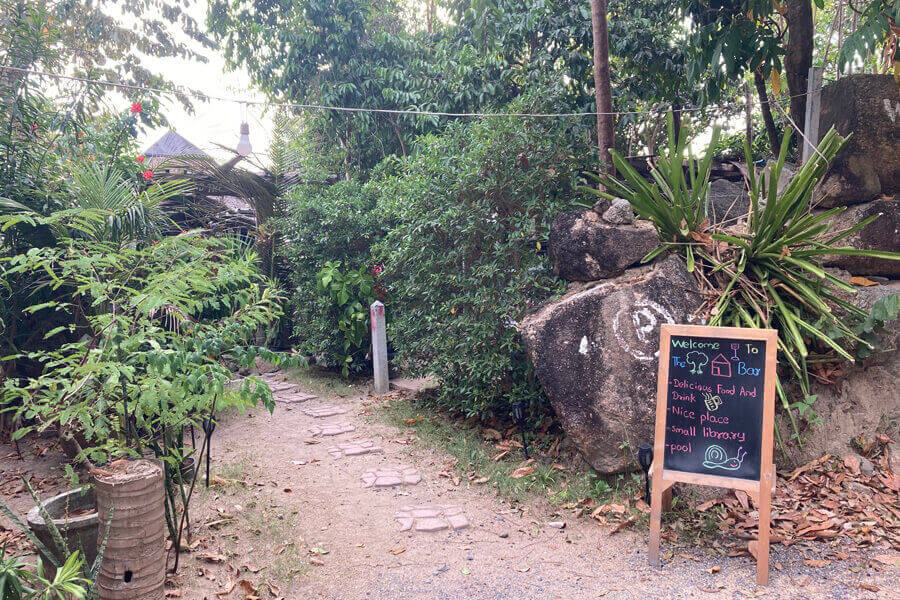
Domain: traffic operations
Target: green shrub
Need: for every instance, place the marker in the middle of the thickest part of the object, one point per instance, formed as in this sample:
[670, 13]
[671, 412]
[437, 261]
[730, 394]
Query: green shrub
[326, 224]
[350, 292]
[467, 257]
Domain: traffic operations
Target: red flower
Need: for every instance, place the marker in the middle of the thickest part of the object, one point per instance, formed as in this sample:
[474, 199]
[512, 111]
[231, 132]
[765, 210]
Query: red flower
[148, 174]
[136, 107]
[34, 128]
[140, 158]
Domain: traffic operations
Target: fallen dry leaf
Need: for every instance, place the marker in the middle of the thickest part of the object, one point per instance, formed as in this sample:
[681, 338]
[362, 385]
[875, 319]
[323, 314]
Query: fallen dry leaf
[397, 550]
[862, 281]
[521, 472]
[707, 505]
[227, 590]
[713, 570]
[176, 593]
[626, 523]
[211, 557]
[816, 562]
[249, 590]
[892, 560]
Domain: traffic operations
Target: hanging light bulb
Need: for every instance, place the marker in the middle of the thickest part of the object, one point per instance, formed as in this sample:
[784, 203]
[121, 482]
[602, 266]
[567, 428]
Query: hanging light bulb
[243, 147]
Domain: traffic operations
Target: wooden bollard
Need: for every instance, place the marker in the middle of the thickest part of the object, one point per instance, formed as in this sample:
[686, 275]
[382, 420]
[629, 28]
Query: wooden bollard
[134, 563]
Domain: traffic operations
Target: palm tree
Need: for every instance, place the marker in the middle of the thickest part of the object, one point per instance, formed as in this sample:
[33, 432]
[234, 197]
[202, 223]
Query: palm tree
[131, 212]
[105, 205]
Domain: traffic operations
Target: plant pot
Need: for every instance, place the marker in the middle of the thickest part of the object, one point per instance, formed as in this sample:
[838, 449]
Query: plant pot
[187, 469]
[131, 498]
[79, 532]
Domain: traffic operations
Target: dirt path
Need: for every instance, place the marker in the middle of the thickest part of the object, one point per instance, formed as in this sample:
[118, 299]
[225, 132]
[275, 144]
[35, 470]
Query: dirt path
[286, 514]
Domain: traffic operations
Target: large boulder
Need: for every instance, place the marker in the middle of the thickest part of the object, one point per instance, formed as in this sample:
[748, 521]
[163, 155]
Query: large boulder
[867, 106]
[881, 234]
[864, 400]
[727, 201]
[595, 352]
[585, 248]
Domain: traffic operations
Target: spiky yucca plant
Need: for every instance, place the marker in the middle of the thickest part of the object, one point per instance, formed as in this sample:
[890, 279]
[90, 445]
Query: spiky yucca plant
[765, 270]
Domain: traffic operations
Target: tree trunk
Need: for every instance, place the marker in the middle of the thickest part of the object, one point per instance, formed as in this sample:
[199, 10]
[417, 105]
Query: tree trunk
[130, 498]
[602, 87]
[760, 82]
[798, 55]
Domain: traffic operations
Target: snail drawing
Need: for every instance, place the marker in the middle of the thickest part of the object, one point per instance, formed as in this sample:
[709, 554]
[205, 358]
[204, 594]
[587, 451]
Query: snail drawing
[712, 402]
[717, 458]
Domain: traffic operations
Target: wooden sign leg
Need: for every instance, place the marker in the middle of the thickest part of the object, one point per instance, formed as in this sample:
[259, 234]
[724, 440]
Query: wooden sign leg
[765, 513]
[656, 502]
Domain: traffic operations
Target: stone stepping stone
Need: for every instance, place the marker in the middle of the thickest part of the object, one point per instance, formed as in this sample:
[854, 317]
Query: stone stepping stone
[282, 386]
[335, 429]
[431, 518]
[326, 410]
[294, 398]
[391, 476]
[355, 448]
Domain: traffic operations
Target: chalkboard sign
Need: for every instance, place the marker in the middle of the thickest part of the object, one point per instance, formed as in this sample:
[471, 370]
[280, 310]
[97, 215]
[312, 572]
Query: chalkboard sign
[715, 417]
[714, 406]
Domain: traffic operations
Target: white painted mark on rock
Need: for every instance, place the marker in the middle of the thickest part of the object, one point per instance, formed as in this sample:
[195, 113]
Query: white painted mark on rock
[892, 109]
[638, 332]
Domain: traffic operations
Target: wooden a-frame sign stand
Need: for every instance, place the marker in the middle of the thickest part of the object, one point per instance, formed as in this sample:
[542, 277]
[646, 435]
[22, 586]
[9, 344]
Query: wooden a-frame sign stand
[761, 491]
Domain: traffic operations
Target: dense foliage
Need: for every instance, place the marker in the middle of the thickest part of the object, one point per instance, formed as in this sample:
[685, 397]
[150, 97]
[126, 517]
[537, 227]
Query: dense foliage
[96, 39]
[150, 332]
[328, 232]
[467, 256]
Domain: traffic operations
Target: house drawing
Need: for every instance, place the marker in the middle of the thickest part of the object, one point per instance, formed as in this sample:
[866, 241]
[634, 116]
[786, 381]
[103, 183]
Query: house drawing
[721, 367]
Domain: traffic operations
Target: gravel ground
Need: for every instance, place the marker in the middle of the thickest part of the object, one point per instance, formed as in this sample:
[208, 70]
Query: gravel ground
[285, 514]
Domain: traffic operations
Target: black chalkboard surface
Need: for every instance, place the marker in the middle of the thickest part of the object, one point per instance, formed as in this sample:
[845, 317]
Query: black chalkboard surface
[714, 406]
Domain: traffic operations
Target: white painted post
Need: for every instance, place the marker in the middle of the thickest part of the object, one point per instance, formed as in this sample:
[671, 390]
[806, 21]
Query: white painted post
[813, 109]
[379, 348]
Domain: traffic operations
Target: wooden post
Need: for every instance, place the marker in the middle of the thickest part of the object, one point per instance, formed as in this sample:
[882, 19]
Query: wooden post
[656, 508]
[813, 108]
[379, 348]
[765, 513]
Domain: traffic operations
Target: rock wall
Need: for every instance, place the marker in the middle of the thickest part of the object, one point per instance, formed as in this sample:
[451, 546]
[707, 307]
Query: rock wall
[595, 349]
[868, 107]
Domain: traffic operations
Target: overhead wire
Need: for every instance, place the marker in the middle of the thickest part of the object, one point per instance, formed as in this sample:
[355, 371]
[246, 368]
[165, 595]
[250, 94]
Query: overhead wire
[298, 105]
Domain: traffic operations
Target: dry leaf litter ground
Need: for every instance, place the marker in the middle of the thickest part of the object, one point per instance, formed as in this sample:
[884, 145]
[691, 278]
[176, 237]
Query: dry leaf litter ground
[363, 513]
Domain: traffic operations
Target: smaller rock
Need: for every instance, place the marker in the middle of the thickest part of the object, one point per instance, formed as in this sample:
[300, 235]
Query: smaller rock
[264, 366]
[619, 213]
[503, 535]
[557, 524]
[601, 205]
[863, 490]
[584, 247]
[866, 467]
[727, 201]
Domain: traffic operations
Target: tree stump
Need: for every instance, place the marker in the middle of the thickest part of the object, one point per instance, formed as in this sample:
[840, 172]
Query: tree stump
[134, 564]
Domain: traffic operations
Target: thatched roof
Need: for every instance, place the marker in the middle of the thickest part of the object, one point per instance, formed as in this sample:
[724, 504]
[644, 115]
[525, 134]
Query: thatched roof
[171, 145]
